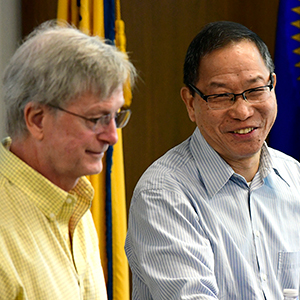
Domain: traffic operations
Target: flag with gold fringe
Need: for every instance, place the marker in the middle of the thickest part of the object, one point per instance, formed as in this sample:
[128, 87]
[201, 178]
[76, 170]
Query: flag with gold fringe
[103, 18]
[285, 134]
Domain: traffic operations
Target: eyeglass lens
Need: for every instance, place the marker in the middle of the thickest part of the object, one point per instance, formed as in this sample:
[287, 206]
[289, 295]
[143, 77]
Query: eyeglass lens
[121, 119]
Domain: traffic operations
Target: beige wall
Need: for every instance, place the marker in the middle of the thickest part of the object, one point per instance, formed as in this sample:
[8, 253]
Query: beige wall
[158, 34]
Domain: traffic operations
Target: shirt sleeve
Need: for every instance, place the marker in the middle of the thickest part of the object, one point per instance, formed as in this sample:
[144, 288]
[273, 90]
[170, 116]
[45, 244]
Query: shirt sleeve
[169, 254]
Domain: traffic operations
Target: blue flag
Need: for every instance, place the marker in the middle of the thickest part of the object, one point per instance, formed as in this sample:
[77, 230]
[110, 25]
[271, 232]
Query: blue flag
[285, 134]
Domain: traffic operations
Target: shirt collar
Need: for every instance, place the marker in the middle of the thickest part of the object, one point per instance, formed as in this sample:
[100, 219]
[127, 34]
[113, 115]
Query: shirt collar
[268, 164]
[214, 170]
[45, 195]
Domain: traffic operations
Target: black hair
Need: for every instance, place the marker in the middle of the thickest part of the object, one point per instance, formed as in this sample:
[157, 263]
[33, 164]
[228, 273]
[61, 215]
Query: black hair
[217, 35]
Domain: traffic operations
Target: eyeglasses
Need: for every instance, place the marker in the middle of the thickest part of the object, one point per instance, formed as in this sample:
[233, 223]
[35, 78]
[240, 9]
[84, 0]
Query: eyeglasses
[226, 100]
[121, 118]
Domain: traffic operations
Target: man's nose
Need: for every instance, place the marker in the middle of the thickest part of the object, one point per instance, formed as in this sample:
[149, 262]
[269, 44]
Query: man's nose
[110, 133]
[241, 109]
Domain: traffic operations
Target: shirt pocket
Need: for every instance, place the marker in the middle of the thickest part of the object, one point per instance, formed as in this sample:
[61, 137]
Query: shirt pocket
[289, 270]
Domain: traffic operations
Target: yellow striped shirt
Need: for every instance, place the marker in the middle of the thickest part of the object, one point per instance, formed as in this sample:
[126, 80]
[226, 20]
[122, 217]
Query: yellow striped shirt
[37, 220]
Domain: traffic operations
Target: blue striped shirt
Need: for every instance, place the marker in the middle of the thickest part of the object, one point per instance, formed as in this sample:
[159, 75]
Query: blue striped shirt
[197, 230]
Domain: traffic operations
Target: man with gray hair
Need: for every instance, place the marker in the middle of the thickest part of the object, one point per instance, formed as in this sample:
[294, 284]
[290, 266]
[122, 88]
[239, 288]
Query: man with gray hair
[63, 92]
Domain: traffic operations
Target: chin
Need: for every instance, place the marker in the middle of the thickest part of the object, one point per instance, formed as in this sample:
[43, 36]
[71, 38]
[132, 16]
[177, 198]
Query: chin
[94, 170]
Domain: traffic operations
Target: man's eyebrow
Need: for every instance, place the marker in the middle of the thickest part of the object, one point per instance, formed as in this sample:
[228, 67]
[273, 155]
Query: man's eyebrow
[255, 79]
[218, 84]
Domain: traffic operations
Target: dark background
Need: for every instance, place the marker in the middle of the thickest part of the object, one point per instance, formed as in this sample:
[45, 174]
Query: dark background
[158, 34]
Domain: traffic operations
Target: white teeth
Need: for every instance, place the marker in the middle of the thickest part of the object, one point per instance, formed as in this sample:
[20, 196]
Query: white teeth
[244, 131]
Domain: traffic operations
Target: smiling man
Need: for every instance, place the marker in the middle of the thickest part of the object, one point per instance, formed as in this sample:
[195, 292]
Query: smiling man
[63, 92]
[217, 217]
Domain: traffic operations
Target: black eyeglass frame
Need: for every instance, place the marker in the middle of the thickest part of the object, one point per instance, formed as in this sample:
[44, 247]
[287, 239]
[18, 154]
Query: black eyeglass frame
[205, 97]
[124, 111]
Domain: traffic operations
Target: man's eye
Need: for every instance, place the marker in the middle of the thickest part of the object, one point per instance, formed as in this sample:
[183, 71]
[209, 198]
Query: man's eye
[221, 97]
[94, 120]
[258, 90]
[258, 93]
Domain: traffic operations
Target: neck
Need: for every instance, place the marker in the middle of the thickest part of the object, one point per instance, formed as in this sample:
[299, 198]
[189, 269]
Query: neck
[28, 150]
[246, 167]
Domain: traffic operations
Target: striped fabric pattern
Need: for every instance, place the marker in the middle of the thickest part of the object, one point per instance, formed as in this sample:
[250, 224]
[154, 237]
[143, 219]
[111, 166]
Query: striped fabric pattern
[197, 230]
[36, 260]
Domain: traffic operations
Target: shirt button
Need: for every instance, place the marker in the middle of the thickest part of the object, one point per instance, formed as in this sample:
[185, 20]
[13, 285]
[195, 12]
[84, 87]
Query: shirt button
[69, 200]
[264, 277]
[257, 233]
[52, 216]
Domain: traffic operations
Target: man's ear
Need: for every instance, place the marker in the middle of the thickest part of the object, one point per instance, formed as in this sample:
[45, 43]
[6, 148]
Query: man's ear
[275, 80]
[34, 115]
[189, 101]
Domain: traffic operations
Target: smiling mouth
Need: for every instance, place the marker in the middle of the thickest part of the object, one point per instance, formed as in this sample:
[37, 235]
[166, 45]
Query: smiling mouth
[244, 130]
[95, 153]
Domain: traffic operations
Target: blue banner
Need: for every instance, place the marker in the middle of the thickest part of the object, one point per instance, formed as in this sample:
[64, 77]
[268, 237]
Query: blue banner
[109, 19]
[285, 134]
[109, 29]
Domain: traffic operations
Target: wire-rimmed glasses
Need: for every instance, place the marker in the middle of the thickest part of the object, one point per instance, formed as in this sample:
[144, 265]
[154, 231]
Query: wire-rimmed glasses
[226, 100]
